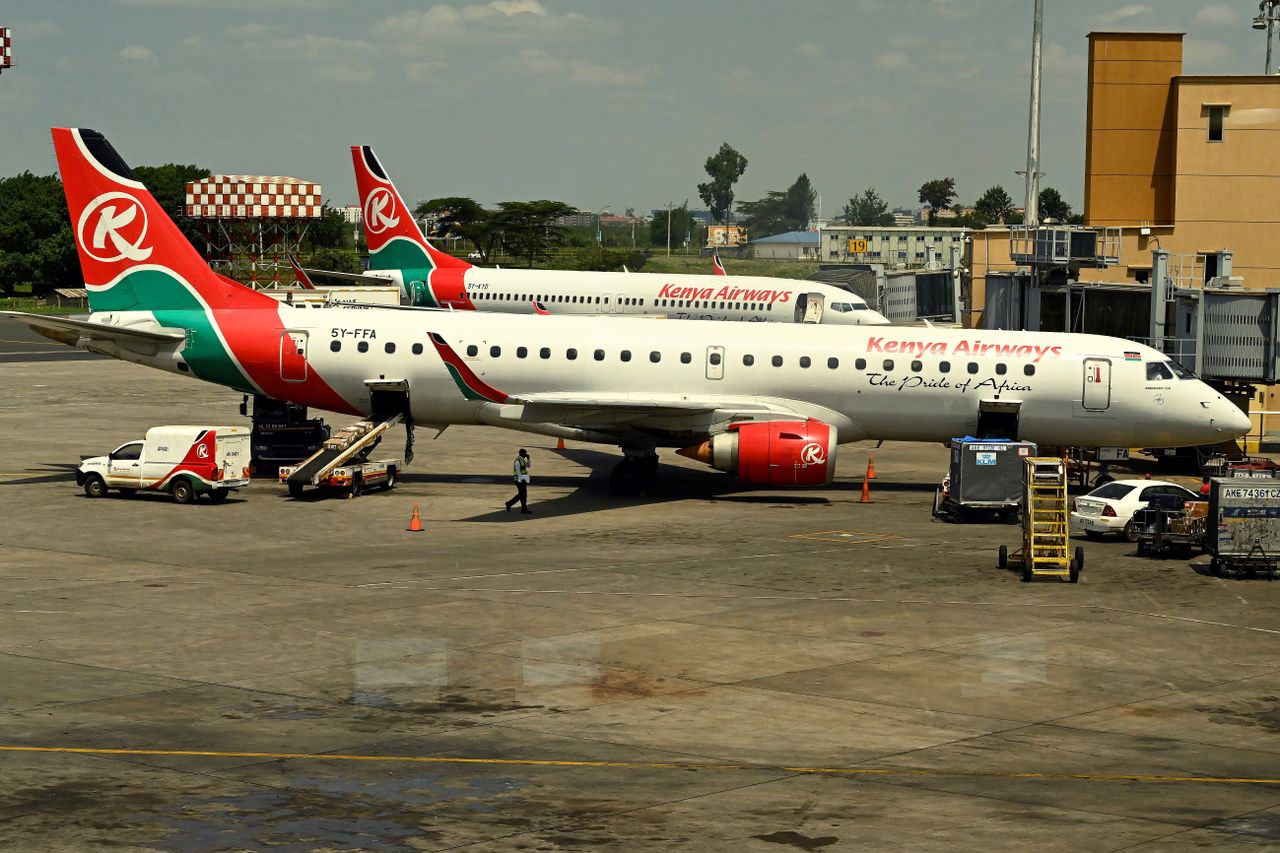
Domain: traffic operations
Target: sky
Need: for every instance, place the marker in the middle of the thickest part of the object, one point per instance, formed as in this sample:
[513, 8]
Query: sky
[597, 104]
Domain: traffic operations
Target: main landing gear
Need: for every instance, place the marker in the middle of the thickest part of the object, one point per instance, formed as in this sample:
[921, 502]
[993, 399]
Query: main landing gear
[634, 475]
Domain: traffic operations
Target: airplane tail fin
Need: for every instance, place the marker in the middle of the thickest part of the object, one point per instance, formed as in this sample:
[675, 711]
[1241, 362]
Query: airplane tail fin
[132, 255]
[395, 242]
[300, 275]
[719, 267]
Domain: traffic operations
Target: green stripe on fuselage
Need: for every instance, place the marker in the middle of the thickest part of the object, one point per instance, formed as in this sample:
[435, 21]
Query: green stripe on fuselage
[462, 384]
[175, 306]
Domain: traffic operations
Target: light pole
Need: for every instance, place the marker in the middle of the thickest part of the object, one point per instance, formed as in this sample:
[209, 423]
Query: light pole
[1267, 18]
[599, 233]
[1031, 211]
[670, 205]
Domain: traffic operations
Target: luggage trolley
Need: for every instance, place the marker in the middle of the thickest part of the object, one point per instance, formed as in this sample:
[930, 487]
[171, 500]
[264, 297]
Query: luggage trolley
[1045, 550]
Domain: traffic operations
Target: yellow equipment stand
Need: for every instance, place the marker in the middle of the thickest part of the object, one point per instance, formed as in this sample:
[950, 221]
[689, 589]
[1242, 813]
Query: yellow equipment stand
[1045, 550]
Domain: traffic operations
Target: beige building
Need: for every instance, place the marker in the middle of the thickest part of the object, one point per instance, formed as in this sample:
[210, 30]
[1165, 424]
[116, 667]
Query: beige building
[1189, 164]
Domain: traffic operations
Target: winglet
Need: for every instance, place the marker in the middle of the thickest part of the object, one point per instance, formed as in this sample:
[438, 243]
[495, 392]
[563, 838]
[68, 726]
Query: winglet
[715, 260]
[539, 308]
[304, 280]
[471, 386]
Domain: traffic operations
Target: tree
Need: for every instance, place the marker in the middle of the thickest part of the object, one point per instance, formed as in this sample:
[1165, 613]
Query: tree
[529, 229]
[868, 209]
[725, 167]
[330, 230]
[779, 212]
[36, 244]
[463, 218]
[994, 205]
[168, 184]
[334, 260]
[938, 193]
[681, 223]
[1052, 205]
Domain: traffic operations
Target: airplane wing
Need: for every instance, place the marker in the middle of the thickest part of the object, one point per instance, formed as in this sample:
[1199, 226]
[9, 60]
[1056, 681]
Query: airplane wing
[68, 331]
[355, 278]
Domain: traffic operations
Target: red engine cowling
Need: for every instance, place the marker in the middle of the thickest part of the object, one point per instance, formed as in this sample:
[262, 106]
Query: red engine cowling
[773, 453]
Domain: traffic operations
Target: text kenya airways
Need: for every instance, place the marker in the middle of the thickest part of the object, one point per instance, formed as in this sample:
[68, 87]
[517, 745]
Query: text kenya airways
[879, 344]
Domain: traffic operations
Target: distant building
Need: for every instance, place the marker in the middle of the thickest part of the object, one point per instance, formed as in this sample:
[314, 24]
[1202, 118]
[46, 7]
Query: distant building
[351, 213]
[793, 245]
[904, 218]
[891, 246]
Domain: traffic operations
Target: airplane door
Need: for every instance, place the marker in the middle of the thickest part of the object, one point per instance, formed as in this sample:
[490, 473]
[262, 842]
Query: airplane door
[419, 294]
[813, 308]
[715, 362]
[293, 356]
[1097, 385]
[617, 303]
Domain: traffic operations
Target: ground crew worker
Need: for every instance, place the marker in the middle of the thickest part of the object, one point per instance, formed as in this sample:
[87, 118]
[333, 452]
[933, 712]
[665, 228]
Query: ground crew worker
[1206, 486]
[520, 470]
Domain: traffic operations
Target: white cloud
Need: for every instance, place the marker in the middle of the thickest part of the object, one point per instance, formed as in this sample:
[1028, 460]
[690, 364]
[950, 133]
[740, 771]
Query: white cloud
[544, 64]
[1217, 15]
[137, 53]
[892, 60]
[1124, 13]
[511, 19]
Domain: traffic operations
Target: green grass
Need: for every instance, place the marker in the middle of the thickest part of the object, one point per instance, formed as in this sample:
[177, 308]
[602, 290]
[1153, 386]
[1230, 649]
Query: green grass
[33, 305]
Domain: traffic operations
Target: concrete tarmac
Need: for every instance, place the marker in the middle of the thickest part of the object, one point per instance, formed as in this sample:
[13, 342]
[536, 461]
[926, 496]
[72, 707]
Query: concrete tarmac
[709, 668]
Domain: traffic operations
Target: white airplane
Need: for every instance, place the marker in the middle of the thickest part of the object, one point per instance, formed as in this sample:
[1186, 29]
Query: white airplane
[767, 402]
[398, 252]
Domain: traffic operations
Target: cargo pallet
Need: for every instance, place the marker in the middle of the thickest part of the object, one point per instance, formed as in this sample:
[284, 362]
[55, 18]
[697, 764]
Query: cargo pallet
[1045, 550]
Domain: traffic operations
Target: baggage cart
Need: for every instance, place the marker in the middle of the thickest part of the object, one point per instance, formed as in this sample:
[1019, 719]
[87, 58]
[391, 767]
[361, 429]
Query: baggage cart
[985, 478]
[1169, 524]
[1243, 530]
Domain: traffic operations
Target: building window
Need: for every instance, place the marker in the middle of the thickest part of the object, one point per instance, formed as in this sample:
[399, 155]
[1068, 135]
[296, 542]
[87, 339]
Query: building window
[1217, 118]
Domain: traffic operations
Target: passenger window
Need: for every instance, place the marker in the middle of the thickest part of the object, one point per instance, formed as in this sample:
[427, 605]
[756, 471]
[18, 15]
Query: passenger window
[545, 352]
[655, 356]
[522, 352]
[748, 360]
[916, 366]
[973, 367]
[777, 361]
[494, 352]
[473, 350]
[571, 354]
[714, 358]
[625, 355]
[389, 347]
[944, 367]
[888, 364]
[363, 346]
[1029, 370]
[417, 349]
[334, 346]
[804, 361]
[1001, 368]
[860, 364]
[599, 355]
[833, 363]
[686, 357]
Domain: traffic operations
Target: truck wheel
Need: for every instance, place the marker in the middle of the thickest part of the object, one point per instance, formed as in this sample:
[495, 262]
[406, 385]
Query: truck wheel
[295, 490]
[391, 478]
[1003, 559]
[181, 491]
[217, 496]
[95, 486]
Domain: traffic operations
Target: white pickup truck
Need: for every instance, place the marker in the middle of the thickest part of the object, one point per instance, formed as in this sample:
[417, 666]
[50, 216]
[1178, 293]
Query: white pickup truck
[185, 461]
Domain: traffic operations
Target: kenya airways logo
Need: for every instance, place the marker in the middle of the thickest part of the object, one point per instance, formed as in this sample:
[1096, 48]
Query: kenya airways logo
[813, 454]
[119, 215]
[377, 209]
[202, 451]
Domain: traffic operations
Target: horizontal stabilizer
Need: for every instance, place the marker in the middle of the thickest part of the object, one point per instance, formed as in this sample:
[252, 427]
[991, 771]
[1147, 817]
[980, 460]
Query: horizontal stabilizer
[68, 331]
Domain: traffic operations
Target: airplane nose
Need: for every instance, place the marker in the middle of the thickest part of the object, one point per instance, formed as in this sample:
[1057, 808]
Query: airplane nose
[1228, 418]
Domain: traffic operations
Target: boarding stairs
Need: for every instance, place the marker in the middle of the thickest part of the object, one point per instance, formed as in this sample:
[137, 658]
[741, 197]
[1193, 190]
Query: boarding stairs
[350, 442]
[1045, 522]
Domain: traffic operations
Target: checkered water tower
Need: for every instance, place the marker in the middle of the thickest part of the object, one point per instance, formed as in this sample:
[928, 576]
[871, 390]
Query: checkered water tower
[6, 49]
[251, 222]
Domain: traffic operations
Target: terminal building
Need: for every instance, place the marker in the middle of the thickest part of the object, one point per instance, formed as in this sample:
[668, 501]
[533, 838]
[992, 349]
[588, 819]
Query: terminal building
[895, 247]
[1180, 248]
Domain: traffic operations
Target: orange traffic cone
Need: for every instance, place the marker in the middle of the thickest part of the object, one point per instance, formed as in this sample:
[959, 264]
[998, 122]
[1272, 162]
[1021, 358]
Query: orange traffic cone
[866, 491]
[415, 523]
[559, 444]
[871, 467]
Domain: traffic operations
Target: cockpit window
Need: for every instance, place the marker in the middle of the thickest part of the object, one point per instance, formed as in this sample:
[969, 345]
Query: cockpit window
[842, 307]
[1180, 371]
[1157, 370]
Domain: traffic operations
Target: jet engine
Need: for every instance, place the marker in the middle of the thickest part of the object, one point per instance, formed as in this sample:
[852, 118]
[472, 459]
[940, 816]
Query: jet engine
[772, 453]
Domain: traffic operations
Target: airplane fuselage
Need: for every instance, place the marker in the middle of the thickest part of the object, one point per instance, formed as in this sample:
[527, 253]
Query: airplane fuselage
[900, 383]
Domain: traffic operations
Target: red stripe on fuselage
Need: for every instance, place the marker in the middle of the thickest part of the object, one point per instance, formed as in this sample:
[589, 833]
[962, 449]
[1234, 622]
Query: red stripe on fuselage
[450, 288]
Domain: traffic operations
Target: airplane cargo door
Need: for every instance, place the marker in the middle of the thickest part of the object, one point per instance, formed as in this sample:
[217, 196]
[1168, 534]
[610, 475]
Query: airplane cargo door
[1097, 385]
[293, 356]
[715, 362]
